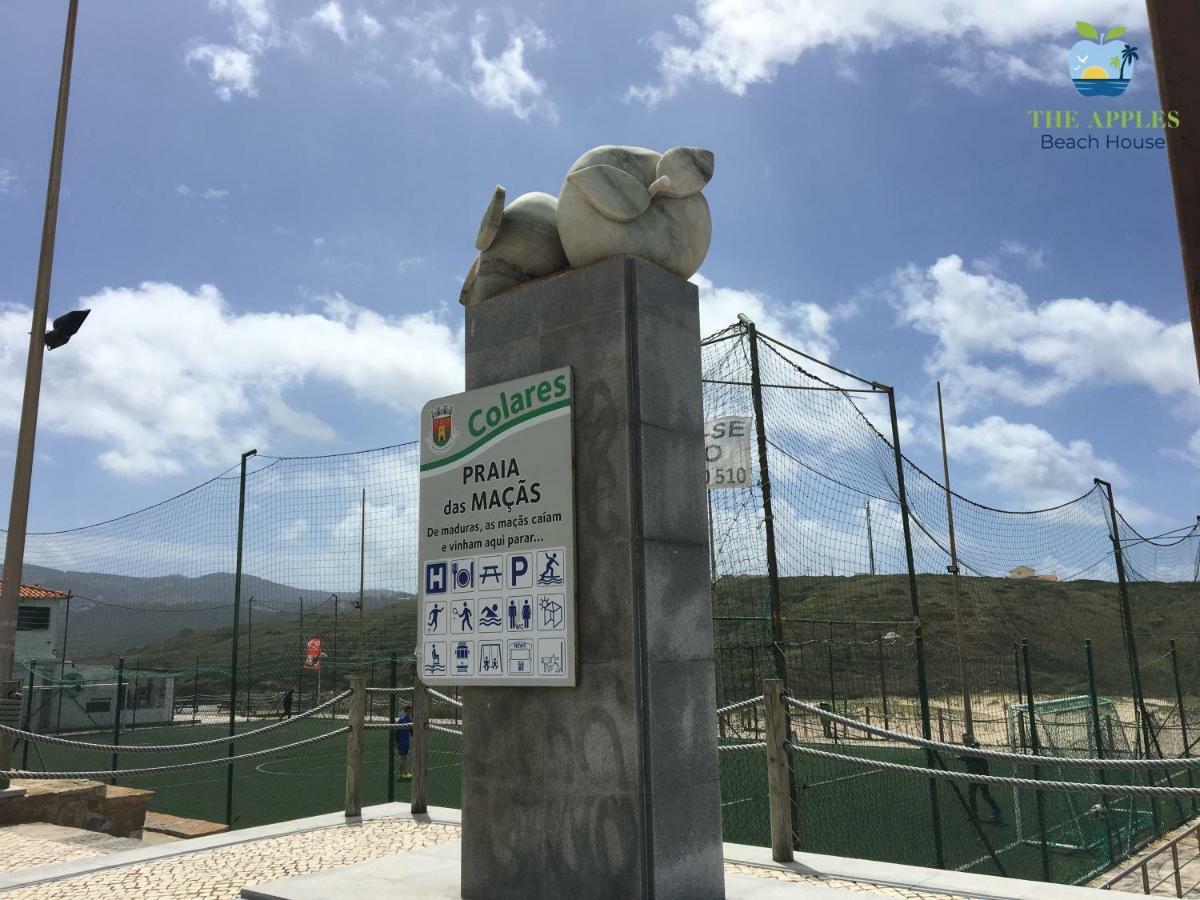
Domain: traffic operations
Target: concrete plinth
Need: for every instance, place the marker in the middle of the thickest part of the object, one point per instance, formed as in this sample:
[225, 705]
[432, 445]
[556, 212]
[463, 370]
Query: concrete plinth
[611, 788]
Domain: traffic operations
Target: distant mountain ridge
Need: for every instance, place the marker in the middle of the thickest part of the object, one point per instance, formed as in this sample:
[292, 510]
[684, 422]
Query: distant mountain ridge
[112, 613]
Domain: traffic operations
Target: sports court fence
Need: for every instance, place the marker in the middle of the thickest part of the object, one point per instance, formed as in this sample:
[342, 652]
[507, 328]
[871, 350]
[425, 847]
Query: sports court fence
[831, 570]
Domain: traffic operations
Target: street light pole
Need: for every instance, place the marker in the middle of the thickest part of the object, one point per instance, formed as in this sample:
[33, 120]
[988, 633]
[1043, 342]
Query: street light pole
[18, 517]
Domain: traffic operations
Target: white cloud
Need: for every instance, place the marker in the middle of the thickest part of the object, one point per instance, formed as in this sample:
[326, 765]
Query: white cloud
[330, 16]
[1034, 259]
[432, 36]
[503, 82]
[368, 24]
[735, 43]
[1027, 463]
[230, 69]
[805, 326]
[253, 21]
[164, 379]
[992, 341]
[205, 196]
[233, 68]
[10, 183]
[435, 45]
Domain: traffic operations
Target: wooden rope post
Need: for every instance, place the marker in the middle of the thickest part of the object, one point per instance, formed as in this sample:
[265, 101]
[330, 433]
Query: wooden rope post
[778, 783]
[418, 799]
[354, 744]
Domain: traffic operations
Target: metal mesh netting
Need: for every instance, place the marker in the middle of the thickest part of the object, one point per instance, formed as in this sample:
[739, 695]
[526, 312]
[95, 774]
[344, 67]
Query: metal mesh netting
[866, 621]
[849, 637]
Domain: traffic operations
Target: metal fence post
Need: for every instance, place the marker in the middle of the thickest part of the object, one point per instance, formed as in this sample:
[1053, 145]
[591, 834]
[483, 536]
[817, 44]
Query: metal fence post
[1183, 728]
[419, 794]
[28, 714]
[1037, 770]
[764, 476]
[233, 651]
[939, 852]
[778, 770]
[883, 684]
[196, 692]
[62, 664]
[117, 714]
[1101, 774]
[137, 674]
[354, 744]
[1127, 621]
[391, 735]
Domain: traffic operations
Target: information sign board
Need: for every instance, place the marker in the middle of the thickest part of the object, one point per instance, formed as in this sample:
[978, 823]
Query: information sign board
[497, 536]
[727, 452]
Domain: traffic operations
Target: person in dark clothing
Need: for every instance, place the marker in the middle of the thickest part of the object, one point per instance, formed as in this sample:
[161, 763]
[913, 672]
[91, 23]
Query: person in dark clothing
[826, 724]
[403, 739]
[978, 765]
[287, 704]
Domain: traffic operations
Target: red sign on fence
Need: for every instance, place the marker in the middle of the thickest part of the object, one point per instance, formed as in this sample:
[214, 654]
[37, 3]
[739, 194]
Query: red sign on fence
[312, 653]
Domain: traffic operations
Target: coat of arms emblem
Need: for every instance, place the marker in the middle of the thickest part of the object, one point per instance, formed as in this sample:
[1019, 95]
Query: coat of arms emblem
[441, 426]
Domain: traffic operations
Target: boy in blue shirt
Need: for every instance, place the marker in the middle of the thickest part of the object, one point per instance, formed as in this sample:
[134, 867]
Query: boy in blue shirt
[403, 737]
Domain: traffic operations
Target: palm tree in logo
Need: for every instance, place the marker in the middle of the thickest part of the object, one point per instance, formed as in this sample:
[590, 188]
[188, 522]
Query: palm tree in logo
[1128, 55]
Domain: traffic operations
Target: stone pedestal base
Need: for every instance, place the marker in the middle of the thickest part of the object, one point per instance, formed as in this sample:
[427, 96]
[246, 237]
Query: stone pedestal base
[611, 788]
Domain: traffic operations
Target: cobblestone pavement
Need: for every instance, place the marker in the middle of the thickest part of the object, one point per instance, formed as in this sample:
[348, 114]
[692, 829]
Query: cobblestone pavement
[874, 890]
[221, 873]
[19, 851]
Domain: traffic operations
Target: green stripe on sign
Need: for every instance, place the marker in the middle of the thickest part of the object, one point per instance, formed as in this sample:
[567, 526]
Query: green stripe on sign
[471, 448]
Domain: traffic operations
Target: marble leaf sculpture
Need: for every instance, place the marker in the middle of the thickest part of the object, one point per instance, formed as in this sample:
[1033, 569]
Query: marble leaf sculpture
[516, 244]
[615, 200]
[632, 200]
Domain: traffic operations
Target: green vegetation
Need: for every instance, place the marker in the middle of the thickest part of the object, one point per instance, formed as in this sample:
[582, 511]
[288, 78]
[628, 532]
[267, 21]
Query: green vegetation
[1055, 616]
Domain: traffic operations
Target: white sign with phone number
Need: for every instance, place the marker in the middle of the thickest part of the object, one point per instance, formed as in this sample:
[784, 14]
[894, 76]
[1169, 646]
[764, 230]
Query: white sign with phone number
[727, 456]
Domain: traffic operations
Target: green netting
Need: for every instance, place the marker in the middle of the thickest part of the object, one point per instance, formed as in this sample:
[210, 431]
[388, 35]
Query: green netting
[329, 553]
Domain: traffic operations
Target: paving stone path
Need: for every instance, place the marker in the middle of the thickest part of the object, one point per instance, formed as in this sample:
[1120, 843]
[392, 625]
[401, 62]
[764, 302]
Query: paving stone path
[221, 873]
[877, 890]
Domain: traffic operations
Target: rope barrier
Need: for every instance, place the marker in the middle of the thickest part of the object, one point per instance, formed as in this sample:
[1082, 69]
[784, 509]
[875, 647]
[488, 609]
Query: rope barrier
[1002, 781]
[739, 705]
[389, 690]
[433, 727]
[731, 748]
[390, 726]
[1025, 759]
[175, 767]
[442, 696]
[168, 748]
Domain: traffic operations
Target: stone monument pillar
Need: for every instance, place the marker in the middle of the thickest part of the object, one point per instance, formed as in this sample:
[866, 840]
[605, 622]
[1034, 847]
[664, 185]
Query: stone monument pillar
[609, 789]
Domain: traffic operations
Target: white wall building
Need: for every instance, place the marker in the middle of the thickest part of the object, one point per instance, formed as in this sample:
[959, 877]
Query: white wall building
[69, 697]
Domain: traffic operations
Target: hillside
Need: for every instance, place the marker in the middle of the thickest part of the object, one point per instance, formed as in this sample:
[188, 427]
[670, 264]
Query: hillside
[113, 614]
[271, 651]
[1056, 617]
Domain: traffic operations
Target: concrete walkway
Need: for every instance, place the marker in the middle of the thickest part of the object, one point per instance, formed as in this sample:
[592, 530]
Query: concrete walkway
[327, 850]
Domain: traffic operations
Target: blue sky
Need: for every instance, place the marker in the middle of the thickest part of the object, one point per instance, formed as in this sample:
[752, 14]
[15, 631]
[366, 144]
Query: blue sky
[270, 206]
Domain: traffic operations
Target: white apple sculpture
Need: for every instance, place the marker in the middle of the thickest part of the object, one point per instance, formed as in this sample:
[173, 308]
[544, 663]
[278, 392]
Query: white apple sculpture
[516, 244]
[630, 200]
